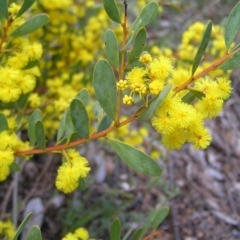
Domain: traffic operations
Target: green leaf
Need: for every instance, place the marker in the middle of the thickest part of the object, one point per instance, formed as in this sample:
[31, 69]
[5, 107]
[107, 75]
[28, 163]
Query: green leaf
[105, 87]
[83, 96]
[136, 159]
[36, 116]
[3, 123]
[34, 233]
[31, 64]
[69, 128]
[147, 15]
[155, 103]
[97, 111]
[231, 63]
[61, 127]
[21, 227]
[14, 167]
[82, 184]
[111, 48]
[202, 47]
[137, 235]
[4, 8]
[191, 95]
[161, 214]
[79, 118]
[148, 222]
[31, 25]
[232, 26]
[22, 101]
[138, 45]
[105, 123]
[115, 230]
[26, 5]
[111, 9]
[40, 135]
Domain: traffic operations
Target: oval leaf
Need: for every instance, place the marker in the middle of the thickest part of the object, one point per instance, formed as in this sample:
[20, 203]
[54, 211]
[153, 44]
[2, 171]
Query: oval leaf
[148, 13]
[40, 135]
[79, 118]
[232, 26]
[155, 104]
[161, 214]
[202, 47]
[4, 8]
[138, 45]
[26, 5]
[83, 96]
[115, 230]
[21, 227]
[191, 95]
[136, 159]
[69, 128]
[105, 87]
[31, 25]
[97, 111]
[105, 123]
[111, 48]
[137, 235]
[3, 123]
[61, 127]
[111, 9]
[34, 233]
[231, 63]
[14, 167]
[36, 116]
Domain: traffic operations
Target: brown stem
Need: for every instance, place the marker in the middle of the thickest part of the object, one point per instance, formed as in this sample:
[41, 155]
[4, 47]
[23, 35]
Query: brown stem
[204, 72]
[4, 35]
[154, 234]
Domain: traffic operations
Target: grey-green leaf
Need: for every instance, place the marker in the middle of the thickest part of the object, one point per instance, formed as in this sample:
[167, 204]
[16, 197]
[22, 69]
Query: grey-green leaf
[3, 123]
[232, 26]
[111, 48]
[4, 8]
[83, 96]
[69, 128]
[136, 159]
[231, 63]
[21, 227]
[40, 135]
[155, 104]
[14, 167]
[191, 95]
[160, 215]
[202, 47]
[97, 111]
[36, 116]
[147, 15]
[25, 6]
[138, 45]
[61, 127]
[111, 9]
[105, 87]
[79, 118]
[31, 25]
[34, 233]
[115, 230]
[137, 235]
[104, 123]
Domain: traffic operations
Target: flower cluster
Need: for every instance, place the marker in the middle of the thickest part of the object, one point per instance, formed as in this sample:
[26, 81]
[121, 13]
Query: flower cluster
[6, 228]
[79, 233]
[149, 79]
[69, 173]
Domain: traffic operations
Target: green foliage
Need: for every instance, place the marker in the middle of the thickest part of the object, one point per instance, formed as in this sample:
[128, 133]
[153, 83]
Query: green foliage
[191, 95]
[115, 230]
[21, 227]
[31, 25]
[104, 83]
[25, 6]
[40, 135]
[146, 16]
[83, 96]
[111, 48]
[34, 233]
[202, 47]
[232, 26]
[135, 159]
[231, 63]
[4, 8]
[111, 9]
[3, 123]
[36, 116]
[138, 45]
[79, 118]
